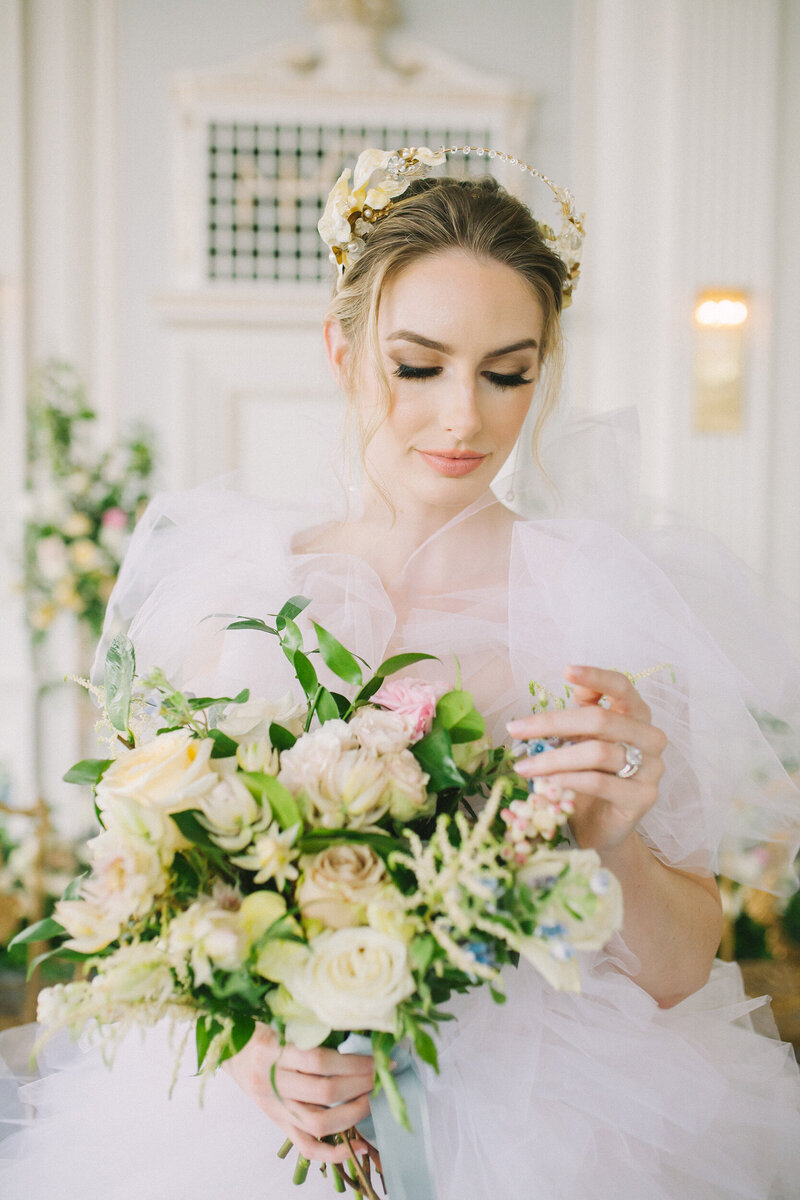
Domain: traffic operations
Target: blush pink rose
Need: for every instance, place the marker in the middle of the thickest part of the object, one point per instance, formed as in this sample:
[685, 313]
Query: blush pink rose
[413, 698]
[114, 518]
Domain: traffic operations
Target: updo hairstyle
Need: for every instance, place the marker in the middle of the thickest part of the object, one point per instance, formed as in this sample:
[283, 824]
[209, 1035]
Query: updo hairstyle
[434, 215]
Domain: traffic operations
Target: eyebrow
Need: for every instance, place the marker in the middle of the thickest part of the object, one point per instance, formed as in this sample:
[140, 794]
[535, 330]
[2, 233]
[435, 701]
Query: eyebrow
[406, 335]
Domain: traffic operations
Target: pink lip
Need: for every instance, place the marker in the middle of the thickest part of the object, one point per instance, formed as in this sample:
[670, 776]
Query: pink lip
[452, 462]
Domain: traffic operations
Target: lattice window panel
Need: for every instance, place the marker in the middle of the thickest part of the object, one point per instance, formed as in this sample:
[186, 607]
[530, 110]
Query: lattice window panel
[267, 185]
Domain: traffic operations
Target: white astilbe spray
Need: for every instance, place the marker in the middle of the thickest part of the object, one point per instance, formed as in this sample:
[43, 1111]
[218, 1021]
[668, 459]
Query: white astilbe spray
[449, 878]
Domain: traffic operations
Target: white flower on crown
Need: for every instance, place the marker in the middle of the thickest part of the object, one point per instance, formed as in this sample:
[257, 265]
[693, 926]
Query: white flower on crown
[379, 176]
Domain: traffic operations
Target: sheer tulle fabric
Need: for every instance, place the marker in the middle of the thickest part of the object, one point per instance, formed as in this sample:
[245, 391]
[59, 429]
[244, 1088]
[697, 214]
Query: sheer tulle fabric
[553, 1096]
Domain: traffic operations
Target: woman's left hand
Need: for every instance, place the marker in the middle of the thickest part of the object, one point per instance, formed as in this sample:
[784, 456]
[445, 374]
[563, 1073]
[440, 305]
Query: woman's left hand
[607, 807]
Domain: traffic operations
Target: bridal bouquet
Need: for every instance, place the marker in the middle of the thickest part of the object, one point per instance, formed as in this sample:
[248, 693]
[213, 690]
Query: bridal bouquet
[327, 865]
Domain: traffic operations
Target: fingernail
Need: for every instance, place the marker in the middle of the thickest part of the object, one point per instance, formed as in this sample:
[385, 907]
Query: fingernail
[519, 725]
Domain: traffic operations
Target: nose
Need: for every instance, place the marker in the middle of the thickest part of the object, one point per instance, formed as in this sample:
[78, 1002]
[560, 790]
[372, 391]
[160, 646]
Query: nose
[461, 414]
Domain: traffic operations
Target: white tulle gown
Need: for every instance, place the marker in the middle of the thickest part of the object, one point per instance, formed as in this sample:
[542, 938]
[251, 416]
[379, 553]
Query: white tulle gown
[554, 1096]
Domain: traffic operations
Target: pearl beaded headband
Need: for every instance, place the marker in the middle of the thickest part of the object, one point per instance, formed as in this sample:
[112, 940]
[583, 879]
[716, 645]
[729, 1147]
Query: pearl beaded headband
[381, 176]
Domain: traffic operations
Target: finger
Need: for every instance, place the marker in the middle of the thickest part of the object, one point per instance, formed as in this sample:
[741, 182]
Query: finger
[631, 797]
[326, 1062]
[592, 683]
[321, 1122]
[316, 1151]
[592, 722]
[322, 1089]
[592, 754]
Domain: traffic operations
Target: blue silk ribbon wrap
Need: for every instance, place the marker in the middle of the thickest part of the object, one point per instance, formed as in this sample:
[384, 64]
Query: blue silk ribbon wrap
[406, 1158]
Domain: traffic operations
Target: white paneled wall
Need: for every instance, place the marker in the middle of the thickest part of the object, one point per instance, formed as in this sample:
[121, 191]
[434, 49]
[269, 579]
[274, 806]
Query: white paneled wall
[686, 115]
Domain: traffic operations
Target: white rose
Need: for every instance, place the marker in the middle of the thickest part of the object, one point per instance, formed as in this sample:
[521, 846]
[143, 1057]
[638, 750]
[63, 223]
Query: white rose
[354, 979]
[229, 813]
[252, 719]
[338, 883]
[405, 787]
[170, 773]
[382, 731]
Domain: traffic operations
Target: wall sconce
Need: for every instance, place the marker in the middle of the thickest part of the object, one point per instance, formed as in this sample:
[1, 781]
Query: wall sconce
[720, 331]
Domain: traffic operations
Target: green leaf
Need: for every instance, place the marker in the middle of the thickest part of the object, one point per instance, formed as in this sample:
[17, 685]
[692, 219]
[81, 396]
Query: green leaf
[293, 607]
[206, 1030]
[268, 790]
[191, 828]
[281, 738]
[453, 707]
[61, 954]
[471, 727]
[421, 952]
[197, 703]
[119, 672]
[398, 661]
[319, 839]
[73, 889]
[425, 1046]
[382, 1046]
[40, 931]
[337, 658]
[368, 690]
[290, 634]
[434, 753]
[251, 623]
[224, 746]
[327, 708]
[88, 770]
[304, 670]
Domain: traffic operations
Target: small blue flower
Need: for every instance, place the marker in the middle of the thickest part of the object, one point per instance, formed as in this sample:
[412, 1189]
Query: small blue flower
[552, 929]
[561, 951]
[599, 882]
[483, 952]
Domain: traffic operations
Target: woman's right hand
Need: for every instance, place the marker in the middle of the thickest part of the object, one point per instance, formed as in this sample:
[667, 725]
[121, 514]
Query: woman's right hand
[320, 1091]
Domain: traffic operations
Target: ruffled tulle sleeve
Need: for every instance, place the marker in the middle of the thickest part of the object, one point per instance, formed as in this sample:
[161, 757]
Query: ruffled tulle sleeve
[582, 592]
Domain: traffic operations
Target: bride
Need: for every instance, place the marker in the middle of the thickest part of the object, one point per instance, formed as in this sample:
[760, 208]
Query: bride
[652, 1083]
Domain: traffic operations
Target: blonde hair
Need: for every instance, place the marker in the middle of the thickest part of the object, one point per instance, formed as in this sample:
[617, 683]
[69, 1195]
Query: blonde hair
[478, 216]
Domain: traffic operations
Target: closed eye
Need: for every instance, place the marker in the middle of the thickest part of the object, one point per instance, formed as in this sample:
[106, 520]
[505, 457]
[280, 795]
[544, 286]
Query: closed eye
[403, 371]
[506, 381]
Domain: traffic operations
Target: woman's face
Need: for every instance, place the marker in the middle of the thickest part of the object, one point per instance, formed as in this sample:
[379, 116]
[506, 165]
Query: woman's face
[460, 340]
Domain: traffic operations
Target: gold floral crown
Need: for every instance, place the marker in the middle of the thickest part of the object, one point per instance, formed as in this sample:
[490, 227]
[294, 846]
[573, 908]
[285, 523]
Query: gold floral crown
[381, 176]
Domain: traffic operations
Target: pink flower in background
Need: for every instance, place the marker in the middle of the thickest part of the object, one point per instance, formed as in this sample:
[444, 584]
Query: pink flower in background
[412, 698]
[114, 518]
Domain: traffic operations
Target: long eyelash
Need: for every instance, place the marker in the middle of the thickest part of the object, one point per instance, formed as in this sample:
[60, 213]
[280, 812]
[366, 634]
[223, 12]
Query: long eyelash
[405, 372]
[507, 381]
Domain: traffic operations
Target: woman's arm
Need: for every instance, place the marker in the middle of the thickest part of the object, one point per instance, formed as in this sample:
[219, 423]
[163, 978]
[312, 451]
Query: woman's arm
[673, 919]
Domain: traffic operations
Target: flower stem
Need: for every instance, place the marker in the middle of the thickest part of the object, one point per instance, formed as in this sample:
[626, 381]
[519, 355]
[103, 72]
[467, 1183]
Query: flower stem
[364, 1184]
[301, 1170]
[285, 1148]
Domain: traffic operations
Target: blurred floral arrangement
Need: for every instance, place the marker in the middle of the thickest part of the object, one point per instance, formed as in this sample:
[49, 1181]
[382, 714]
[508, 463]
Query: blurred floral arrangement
[81, 503]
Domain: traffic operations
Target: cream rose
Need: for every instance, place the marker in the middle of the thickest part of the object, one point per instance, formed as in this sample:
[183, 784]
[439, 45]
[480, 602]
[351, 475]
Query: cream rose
[382, 731]
[338, 883]
[354, 979]
[341, 784]
[90, 926]
[170, 773]
[589, 899]
[387, 912]
[127, 874]
[405, 787]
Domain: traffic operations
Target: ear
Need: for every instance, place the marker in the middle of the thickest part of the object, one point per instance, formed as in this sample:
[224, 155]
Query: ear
[338, 350]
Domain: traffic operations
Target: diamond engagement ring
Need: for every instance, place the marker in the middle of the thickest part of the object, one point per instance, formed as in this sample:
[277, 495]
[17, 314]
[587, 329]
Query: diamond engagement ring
[633, 760]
